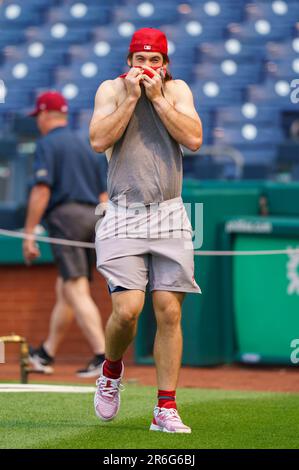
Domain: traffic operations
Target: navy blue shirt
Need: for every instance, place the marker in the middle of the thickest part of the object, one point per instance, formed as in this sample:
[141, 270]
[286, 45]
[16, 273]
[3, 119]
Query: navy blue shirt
[67, 164]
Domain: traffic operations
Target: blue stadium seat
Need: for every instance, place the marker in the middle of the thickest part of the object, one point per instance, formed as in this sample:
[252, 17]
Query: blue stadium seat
[274, 11]
[85, 74]
[191, 33]
[248, 112]
[11, 37]
[238, 60]
[34, 52]
[39, 4]
[274, 93]
[12, 215]
[286, 69]
[214, 13]
[247, 135]
[79, 95]
[80, 14]
[16, 98]
[113, 54]
[259, 154]
[257, 171]
[104, 3]
[59, 35]
[231, 49]
[24, 75]
[17, 15]
[212, 94]
[8, 148]
[229, 72]
[146, 13]
[260, 31]
[206, 168]
[282, 50]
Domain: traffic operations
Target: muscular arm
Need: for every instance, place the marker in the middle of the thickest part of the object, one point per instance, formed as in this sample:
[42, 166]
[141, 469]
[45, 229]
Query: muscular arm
[180, 119]
[38, 202]
[109, 120]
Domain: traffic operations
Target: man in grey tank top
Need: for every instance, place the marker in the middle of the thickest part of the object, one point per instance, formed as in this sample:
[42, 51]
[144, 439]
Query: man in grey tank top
[140, 119]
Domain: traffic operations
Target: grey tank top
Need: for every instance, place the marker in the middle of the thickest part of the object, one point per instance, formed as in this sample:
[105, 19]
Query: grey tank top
[146, 162]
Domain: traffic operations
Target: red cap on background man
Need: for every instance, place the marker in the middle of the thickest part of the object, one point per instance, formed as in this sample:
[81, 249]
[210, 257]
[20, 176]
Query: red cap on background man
[50, 101]
[149, 40]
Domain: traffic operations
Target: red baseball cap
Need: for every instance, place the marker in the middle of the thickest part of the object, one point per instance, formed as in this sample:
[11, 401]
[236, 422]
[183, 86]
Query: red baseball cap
[149, 40]
[50, 101]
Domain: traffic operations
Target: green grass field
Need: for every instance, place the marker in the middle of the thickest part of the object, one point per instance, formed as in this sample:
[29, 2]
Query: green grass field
[219, 419]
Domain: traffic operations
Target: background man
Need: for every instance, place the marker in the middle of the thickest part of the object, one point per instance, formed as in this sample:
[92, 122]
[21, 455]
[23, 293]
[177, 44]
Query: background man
[67, 187]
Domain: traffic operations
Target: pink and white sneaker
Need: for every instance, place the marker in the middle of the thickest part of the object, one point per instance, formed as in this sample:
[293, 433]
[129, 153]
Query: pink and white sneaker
[107, 396]
[168, 420]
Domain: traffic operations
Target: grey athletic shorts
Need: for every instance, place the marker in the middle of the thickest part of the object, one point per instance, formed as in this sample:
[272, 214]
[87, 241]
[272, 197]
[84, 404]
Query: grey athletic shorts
[73, 221]
[142, 244]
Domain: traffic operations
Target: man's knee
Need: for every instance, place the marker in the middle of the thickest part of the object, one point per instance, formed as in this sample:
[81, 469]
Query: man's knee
[126, 315]
[74, 288]
[169, 315]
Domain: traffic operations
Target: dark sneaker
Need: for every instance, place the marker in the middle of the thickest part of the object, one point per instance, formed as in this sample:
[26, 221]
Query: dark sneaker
[40, 361]
[93, 368]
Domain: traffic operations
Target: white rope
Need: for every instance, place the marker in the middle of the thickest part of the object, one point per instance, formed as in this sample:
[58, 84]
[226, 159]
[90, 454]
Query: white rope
[62, 241]
[39, 238]
[288, 251]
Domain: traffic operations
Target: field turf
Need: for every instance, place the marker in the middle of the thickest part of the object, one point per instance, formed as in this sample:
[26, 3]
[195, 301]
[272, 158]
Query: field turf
[219, 419]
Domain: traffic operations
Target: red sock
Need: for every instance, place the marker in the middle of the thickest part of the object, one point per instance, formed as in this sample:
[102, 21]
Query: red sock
[112, 369]
[166, 399]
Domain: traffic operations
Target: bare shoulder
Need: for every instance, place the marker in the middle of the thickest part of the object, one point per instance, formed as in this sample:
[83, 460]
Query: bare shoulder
[110, 91]
[110, 86]
[177, 90]
[178, 86]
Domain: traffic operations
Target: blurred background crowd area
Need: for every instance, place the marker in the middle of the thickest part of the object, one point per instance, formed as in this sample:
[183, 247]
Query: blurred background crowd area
[240, 58]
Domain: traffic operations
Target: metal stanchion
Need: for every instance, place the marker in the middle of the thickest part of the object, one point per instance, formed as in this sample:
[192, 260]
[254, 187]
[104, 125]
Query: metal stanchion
[24, 353]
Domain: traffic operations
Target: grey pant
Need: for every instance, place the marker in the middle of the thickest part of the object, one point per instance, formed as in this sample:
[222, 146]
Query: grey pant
[147, 244]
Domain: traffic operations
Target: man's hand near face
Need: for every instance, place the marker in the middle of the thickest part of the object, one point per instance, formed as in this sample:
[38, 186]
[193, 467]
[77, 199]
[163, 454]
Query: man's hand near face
[153, 86]
[132, 82]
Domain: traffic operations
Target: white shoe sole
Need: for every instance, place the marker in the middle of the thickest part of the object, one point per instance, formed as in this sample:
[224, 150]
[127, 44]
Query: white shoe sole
[155, 427]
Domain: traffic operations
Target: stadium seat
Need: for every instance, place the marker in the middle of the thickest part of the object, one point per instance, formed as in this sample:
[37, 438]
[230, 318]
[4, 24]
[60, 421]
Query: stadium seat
[282, 50]
[59, 35]
[247, 134]
[8, 148]
[207, 168]
[34, 52]
[9, 37]
[147, 14]
[239, 61]
[230, 49]
[229, 72]
[258, 171]
[80, 14]
[248, 112]
[271, 92]
[212, 94]
[260, 31]
[281, 11]
[284, 69]
[16, 15]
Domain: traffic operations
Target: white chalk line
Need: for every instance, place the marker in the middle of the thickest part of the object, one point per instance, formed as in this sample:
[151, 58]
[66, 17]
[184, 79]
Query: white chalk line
[13, 388]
